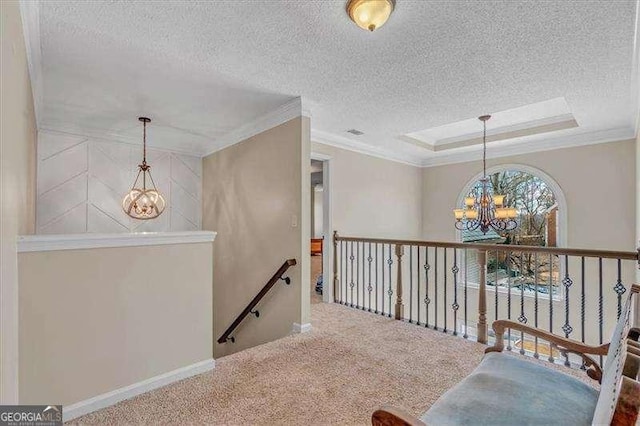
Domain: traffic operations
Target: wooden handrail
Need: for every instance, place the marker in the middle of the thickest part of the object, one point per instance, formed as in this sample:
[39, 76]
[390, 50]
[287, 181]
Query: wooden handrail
[248, 310]
[605, 254]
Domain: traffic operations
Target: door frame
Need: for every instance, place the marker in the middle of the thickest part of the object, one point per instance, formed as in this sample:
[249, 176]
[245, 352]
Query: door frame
[327, 227]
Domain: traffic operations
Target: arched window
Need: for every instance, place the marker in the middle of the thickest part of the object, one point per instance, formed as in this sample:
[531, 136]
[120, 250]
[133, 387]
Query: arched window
[541, 222]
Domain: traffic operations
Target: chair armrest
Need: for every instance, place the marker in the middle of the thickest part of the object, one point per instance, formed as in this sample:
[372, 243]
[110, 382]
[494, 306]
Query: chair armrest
[563, 344]
[390, 416]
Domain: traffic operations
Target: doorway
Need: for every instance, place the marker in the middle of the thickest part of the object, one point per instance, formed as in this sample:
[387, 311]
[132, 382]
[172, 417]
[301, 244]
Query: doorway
[320, 232]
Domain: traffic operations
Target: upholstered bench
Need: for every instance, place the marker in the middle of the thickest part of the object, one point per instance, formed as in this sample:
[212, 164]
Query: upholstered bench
[507, 389]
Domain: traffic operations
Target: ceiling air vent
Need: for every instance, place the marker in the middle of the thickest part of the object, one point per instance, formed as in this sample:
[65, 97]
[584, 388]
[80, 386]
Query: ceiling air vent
[355, 132]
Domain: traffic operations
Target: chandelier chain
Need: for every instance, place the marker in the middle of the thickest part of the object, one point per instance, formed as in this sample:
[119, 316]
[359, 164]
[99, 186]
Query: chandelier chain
[144, 143]
[484, 150]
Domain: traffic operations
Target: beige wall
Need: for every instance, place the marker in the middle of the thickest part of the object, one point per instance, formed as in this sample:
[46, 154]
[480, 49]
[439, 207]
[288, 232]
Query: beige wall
[17, 187]
[372, 197]
[597, 182]
[253, 192]
[95, 320]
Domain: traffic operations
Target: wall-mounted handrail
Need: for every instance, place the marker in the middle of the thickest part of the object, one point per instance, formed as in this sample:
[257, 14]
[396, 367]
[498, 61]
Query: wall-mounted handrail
[249, 309]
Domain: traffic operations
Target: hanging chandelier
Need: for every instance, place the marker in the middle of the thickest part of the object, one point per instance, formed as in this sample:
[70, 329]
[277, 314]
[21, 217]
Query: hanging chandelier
[482, 209]
[143, 203]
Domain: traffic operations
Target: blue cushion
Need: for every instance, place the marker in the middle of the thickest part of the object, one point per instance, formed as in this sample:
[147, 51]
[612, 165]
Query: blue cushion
[508, 390]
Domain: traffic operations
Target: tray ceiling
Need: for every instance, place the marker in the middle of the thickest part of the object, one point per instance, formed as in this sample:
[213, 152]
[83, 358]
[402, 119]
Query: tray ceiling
[202, 70]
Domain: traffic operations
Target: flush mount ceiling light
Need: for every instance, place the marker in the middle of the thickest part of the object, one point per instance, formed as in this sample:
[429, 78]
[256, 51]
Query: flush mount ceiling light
[143, 203]
[483, 209]
[370, 14]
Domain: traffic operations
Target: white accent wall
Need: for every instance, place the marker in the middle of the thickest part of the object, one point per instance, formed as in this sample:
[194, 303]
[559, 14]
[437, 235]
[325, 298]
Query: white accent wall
[81, 182]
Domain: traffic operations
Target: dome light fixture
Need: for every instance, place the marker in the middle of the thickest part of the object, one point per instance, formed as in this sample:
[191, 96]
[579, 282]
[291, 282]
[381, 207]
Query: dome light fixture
[143, 203]
[370, 14]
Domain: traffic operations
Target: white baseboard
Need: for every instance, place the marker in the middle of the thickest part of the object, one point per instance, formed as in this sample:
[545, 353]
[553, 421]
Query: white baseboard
[81, 408]
[301, 328]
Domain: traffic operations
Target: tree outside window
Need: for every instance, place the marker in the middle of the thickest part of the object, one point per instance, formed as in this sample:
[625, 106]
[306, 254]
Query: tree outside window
[537, 226]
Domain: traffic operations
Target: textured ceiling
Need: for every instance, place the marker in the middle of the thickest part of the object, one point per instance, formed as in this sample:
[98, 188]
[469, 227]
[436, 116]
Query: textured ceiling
[201, 69]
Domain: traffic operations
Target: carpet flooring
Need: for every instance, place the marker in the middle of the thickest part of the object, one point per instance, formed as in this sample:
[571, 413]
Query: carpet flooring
[339, 373]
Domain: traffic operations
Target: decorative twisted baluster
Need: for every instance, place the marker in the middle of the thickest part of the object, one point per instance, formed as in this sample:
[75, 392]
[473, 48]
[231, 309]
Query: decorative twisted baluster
[399, 314]
[582, 306]
[619, 288]
[418, 284]
[390, 291]
[369, 287]
[455, 305]
[427, 300]
[466, 273]
[509, 298]
[535, 303]
[444, 297]
[551, 359]
[351, 284]
[336, 282]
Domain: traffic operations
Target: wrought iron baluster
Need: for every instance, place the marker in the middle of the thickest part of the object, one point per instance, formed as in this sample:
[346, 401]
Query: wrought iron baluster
[509, 298]
[377, 283]
[410, 284]
[418, 284]
[427, 300]
[619, 288]
[351, 283]
[582, 306]
[551, 359]
[364, 279]
[455, 305]
[466, 273]
[390, 262]
[566, 327]
[435, 286]
[357, 274]
[444, 297]
[600, 304]
[341, 267]
[535, 303]
[495, 287]
[369, 287]
[382, 268]
[522, 318]
[345, 282]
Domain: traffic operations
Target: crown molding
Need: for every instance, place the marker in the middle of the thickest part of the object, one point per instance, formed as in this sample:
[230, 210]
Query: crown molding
[582, 139]
[30, 243]
[342, 142]
[282, 114]
[30, 13]
[115, 137]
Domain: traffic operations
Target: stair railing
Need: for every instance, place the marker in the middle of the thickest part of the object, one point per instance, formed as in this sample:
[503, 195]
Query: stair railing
[226, 336]
[461, 288]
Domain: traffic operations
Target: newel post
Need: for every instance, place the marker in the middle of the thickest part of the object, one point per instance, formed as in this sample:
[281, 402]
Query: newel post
[335, 266]
[482, 297]
[399, 303]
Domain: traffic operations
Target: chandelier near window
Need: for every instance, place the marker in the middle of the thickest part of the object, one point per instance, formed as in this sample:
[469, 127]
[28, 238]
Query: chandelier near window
[483, 209]
[143, 203]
